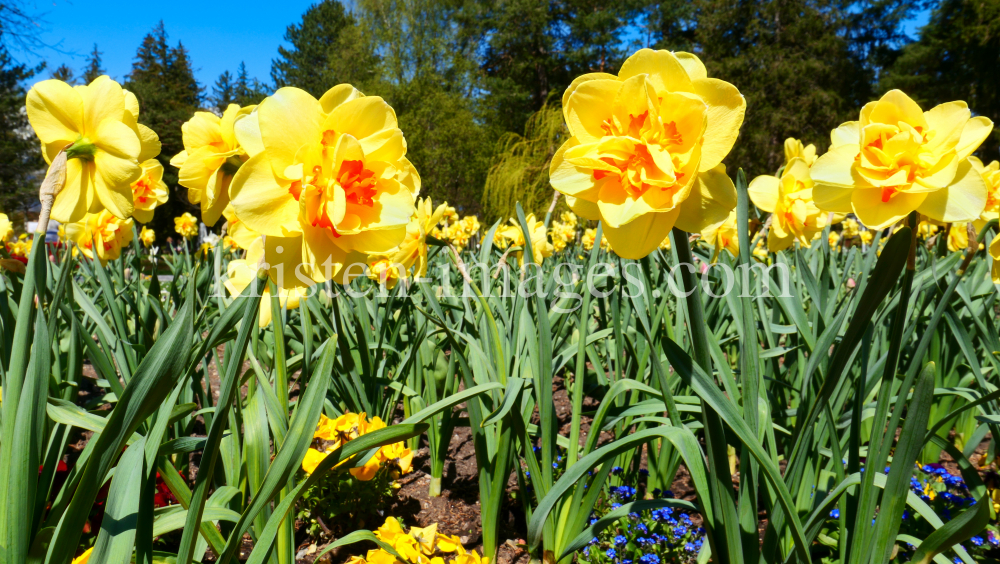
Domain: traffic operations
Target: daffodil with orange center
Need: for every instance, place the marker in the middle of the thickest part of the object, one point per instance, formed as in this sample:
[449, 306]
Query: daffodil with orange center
[186, 225]
[795, 149]
[147, 236]
[723, 235]
[898, 159]
[541, 248]
[210, 158]
[149, 191]
[794, 216]
[646, 149]
[330, 183]
[97, 125]
[991, 177]
[100, 235]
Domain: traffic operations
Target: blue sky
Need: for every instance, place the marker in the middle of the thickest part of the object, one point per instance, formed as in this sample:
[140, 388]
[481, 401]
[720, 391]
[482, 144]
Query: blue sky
[218, 35]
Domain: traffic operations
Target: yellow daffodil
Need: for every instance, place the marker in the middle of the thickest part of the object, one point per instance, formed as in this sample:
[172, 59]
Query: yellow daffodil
[6, 229]
[898, 159]
[794, 149]
[101, 232]
[995, 254]
[242, 235]
[83, 558]
[562, 234]
[149, 191]
[384, 271]
[330, 184]
[647, 147]
[867, 237]
[850, 227]
[926, 229]
[991, 177]
[61, 233]
[760, 251]
[230, 244]
[211, 156]
[587, 240]
[450, 215]
[98, 126]
[540, 246]
[186, 225]
[242, 271]
[21, 247]
[413, 250]
[569, 218]
[723, 235]
[833, 239]
[958, 237]
[665, 244]
[147, 236]
[312, 460]
[794, 216]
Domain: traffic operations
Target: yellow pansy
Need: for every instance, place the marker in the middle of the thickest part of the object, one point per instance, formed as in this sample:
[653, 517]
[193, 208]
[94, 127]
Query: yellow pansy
[794, 149]
[330, 184]
[211, 156]
[98, 126]
[389, 531]
[6, 228]
[723, 235]
[312, 460]
[449, 543]
[995, 254]
[147, 236]
[242, 271]
[471, 557]
[149, 191]
[426, 538]
[898, 159]
[186, 225]
[794, 216]
[991, 177]
[101, 232]
[647, 147]
[541, 248]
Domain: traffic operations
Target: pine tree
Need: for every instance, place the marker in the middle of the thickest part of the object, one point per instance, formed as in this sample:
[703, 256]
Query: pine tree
[325, 51]
[64, 73]
[23, 166]
[223, 92]
[93, 68]
[248, 91]
[163, 81]
[956, 58]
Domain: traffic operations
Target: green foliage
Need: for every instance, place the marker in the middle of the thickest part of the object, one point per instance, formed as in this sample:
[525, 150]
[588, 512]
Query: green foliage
[339, 499]
[93, 68]
[22, 163]
[956, 58]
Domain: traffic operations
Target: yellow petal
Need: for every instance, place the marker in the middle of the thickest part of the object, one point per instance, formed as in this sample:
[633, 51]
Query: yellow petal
[726, 107]
[834, 179]
[576, 84]
[202, 129]
[567, 178]
[589, 108]
[873, 212]
[103, 99]
[583, 208]
[963, 200]
[895, 107]
[247, 131]
[76, 197]
[848, 133]
[764, 192]
[260, 202]
[712, 198]
[976, 131]
[637, 239]
[692, 64]
[665, 71]
[362, 117]
[55, 111]
[338, 95]
[289, 120]
[946, 121]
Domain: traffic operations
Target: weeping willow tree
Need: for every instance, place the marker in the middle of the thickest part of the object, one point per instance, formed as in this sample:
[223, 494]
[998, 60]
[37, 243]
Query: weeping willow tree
[520, 169]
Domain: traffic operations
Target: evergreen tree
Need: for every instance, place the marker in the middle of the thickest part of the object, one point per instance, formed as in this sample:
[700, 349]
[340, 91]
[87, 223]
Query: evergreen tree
[163, 81]
[247, 91]
[325, 51]
[23, 166]
[93, 68]
[223, 92]
[64, 73]
[956, 58]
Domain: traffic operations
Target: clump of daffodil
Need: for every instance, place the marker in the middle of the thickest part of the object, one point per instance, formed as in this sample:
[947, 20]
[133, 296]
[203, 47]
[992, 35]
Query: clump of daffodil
[6, 228]
[211, 156]
[588, 237]
[458, 232]
[541, 248]
[149, 191]
[723, 235]
[147, 236]
[418, 546]
[898, 159]
[867, 236]
[327, 180]
[98, 126]
[239, 274]
[991, 177]
[850, 228]
[569, 218]
[332, 434]
[794, 216]
[995, 254]
[100, 235]
[412, 252]
[646, 149]
[795, 149]
[562, 234]
[186, 225]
